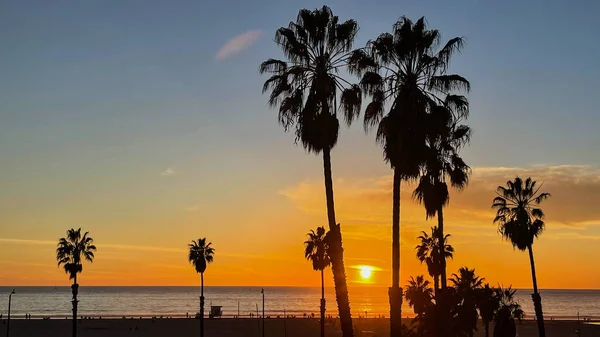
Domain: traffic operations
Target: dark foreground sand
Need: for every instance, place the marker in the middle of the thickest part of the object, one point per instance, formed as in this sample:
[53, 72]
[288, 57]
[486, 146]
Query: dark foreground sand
[244, 328]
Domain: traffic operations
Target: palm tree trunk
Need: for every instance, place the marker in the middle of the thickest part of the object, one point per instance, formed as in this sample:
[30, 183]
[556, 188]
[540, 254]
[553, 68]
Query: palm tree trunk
[322, 303]
[75, 291]
[395, 292]
[201, 304]
[337, 252]
[436, 284]
[442, 247]
[442, 296]
[537, 299]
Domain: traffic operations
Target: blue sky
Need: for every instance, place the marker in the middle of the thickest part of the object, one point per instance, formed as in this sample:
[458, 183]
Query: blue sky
[120, 109]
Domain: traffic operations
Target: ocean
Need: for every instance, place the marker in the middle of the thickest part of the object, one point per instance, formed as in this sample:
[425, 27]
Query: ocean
[177, 301]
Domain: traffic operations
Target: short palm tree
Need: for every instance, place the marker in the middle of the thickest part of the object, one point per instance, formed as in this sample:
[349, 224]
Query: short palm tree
[488, 304]
[520, 221]
[408, 70]
[428, 251]
[419, 294]
[508, 311]
[200, 255]
[444, 165]
[305, 87]
[467, 285]
[315, 250]
[71, 251]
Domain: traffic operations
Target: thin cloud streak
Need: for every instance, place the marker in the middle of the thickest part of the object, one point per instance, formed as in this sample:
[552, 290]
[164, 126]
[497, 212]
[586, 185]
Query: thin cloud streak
[142, 248]
[237, 44]
[169, 171]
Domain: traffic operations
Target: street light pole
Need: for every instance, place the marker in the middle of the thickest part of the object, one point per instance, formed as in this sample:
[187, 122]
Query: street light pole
[262, 291]
[8, 319]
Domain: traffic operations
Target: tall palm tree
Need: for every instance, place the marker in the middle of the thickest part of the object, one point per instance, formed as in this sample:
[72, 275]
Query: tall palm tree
[419, 294]
[201, 254]
[488, 304]
[520, 221]
[467, 285]
[305, 88]
[316, 251]
[408, 70]
[428, 251]
[508, 311]
[443, 164]
[71, 251]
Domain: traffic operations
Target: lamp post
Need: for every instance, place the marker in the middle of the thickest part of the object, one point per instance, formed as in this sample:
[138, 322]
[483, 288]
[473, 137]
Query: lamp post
[8, 319]
[262, 291]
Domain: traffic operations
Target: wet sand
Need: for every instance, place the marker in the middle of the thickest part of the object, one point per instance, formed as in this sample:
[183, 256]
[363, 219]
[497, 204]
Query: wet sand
[228, 327]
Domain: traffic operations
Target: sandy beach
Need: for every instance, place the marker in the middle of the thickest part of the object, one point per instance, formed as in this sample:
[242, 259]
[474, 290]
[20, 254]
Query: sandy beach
[245, 328]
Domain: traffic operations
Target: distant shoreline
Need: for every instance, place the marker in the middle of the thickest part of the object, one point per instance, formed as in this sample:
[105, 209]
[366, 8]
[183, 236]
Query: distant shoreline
[269, 316]
[250, 328]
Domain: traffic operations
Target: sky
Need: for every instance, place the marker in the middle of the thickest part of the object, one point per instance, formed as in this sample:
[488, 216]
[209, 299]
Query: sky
[143, 122]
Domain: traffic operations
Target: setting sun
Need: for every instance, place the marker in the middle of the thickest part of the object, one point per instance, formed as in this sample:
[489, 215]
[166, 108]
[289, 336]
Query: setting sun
[366, 271]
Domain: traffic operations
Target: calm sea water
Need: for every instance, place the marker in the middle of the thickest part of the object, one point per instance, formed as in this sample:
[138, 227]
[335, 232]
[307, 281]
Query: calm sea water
[177, 301]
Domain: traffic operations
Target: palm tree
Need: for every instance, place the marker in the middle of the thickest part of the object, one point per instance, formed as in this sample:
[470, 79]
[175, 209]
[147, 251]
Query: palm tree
[200, 255]
[508, 311]
[520, 221]
[488, 303]
[316, 251]
[428, 252]
[443, 164]
[406, 69]
[71, 251]
[467, 286]
[419, 294]
[305, 88]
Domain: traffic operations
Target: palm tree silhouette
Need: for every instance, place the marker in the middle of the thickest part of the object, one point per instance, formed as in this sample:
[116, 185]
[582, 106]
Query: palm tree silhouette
[508, 311]
[467, 285]
[71, 251]
[428, 251]
[520, 221]
[305, 87]
[443, 163]
[488, 303]
[406, 69]
[419, 294]
[316, 251]
[200, 255]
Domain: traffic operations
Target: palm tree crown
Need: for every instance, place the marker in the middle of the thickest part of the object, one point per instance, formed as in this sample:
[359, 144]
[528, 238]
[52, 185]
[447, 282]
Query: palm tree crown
[519, 218]
[419, 294]
[200, 254]
[466, 280]
[316, 249]
[443, 164]
[406, 69]
[317, 46]
[73, 249]
[428, 251]
[506, 297]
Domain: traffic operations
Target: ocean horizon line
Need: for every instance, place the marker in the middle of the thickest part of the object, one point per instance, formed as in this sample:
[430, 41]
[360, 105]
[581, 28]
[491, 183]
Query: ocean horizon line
[251, 286]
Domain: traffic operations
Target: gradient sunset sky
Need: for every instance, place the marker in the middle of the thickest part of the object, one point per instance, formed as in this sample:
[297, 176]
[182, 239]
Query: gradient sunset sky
[144, 123]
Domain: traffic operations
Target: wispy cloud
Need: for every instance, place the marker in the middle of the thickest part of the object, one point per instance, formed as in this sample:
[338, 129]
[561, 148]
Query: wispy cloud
[238, 44]
[192, 208]
[112, 246]
[169, 171]
[575, 195]
[103, 245]
[26, 241]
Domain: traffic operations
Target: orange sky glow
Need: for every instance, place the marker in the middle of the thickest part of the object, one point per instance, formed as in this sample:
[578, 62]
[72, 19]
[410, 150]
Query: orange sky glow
[267, 250]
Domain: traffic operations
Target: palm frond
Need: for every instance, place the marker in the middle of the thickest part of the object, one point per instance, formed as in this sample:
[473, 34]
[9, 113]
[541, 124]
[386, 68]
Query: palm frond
[517, 215]
[351, 102]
